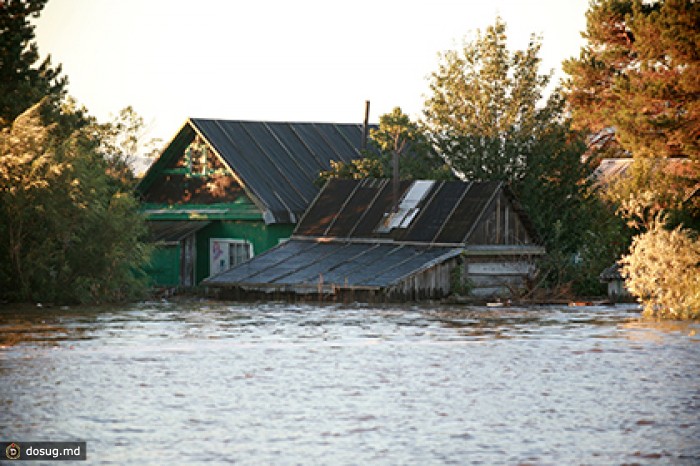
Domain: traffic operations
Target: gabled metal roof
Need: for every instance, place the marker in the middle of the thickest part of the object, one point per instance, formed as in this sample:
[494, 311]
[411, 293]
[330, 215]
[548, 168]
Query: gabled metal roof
[276, 162]
[446, 212]
[279, 162]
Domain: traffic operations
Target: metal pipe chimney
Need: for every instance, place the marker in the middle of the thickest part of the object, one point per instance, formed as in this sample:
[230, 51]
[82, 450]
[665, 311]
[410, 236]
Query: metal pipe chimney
[365, 126]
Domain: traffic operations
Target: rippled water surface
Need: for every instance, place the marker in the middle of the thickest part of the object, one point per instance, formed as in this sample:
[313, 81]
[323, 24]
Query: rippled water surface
[208, 382]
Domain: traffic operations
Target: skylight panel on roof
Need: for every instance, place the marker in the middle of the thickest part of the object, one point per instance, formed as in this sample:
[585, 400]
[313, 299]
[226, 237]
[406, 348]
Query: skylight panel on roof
[408, 208]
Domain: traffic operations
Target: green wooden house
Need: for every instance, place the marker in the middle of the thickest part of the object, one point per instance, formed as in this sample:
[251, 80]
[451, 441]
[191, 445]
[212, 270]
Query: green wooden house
[224, 191]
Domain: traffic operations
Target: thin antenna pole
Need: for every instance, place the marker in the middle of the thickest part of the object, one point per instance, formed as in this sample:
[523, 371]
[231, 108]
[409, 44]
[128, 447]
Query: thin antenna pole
[395, 178]
[365, 126]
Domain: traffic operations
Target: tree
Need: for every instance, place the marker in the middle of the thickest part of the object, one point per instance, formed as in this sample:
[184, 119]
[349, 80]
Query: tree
[23, 82]
[122, 140]
[638, 74]
[659, 185]
[397, 136]
[69, 232]
[483, 112]
[488, 118]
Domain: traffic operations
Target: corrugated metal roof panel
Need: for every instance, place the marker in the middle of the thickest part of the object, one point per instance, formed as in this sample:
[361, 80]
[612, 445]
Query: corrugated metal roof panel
[329, 258]
[435, 212]
[285, 260]
[352, 212]
[319, 217]
[444, 213]
[305, 263]
[279, 162]
[419, 260]
[467, 212]
[367, 226]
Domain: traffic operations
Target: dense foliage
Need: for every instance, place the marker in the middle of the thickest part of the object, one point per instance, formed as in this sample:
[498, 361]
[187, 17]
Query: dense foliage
[69, 227]
[637, 78]
[487, 117]
[663, 271]
[638, 74]
[483, 114]
[23, 81]
[397, 137]
[70, 233]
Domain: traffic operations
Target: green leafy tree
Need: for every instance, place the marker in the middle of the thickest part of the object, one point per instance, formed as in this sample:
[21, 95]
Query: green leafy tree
[483, 111]
[581, 235]
[488, 117]
[123, 143]
[69, 230]
[24, 80]
[399, 137]
[638, 74]
[396, 137]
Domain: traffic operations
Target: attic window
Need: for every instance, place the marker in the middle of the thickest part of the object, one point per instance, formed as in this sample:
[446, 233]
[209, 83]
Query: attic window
[197, 158]
[408, 208]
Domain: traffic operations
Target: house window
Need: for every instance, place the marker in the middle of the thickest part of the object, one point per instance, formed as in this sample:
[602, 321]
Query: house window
[225, 253]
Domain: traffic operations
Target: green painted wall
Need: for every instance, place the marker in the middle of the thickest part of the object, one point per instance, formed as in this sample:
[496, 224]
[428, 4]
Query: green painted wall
[164, 269]
[263, 237]
[171, 195]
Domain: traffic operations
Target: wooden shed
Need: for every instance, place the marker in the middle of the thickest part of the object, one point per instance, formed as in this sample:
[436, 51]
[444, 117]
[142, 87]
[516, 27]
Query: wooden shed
[224, 191]
[437, 238]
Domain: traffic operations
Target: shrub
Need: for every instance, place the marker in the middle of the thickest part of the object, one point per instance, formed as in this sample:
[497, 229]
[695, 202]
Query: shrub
[663, 272]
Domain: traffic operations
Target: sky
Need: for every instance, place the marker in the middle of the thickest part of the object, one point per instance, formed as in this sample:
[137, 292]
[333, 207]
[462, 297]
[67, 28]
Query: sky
[277, 60]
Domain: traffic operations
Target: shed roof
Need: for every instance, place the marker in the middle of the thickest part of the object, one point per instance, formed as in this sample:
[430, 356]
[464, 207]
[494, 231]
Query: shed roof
[276, 162]
[432, 212]
[299, 265]
[353, 237]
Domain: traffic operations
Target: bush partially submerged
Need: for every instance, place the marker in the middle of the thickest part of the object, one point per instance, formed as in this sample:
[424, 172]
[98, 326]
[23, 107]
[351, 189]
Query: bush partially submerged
[663, 272]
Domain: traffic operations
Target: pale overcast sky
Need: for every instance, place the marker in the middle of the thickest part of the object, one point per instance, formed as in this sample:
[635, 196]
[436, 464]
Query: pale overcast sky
[301, 60]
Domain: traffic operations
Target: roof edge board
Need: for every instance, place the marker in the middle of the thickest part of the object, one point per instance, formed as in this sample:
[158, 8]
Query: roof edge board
[503, 249]
[342, 239]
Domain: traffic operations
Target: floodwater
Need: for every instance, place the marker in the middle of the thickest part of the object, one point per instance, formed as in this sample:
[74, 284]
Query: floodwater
[208, 382]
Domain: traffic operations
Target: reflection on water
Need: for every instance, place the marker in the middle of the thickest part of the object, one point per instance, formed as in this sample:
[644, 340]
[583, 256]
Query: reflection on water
[208, 382]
